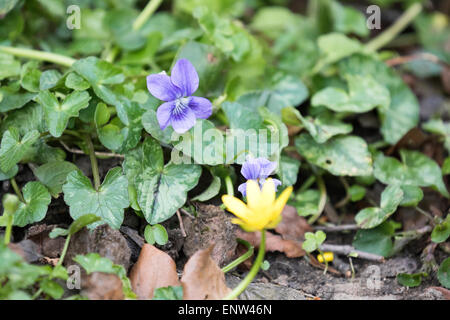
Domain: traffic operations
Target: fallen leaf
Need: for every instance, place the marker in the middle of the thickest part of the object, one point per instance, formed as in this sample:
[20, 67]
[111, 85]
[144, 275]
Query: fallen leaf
[154, 269]
[27, 249]
[102, 286]
[39, 234]
[202, 278]
[291, 248]
[292, 226]
[445, 292]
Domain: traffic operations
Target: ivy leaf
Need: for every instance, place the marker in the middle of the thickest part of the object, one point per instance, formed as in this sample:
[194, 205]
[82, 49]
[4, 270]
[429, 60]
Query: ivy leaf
[336, 46]
[57, 114]
[403, 112]
[321, 128]
[100, 74]
[37, 198]
[416, 169]
[443, 274]
[13, 98]
[75, 82]
[412, 195]
[371, 217]
[341, 156]
[161, 189]
[30, 75]
[288, 172]
[53, 175]
[108, 202]
[377, 240]
[212, 190]
[364, 94]
[49, 79]
[13, 148]
[9, 174]
[9, 67]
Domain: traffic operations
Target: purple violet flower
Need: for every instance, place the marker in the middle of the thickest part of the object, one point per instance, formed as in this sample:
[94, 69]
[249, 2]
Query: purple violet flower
[180, 109]
[258, 169]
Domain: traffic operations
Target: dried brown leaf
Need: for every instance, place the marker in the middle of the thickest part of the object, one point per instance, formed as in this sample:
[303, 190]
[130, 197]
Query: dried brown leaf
[154, 269]
[102, 286]
[202, 278]
[292, 226]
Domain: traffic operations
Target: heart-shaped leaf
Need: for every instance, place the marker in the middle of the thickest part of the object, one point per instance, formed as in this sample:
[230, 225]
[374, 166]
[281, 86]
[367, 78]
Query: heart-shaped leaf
[108, 202]
[13, 148]
[342, 155]
[37, 198]
[57, 114]
[161, 189]
[53, 175]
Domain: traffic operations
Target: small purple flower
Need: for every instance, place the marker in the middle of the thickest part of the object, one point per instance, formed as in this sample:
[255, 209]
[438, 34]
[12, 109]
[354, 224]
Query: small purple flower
[181, 109]
[258, 169]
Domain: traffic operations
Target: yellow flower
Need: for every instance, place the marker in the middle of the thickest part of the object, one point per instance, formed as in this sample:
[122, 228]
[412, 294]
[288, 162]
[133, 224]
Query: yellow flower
[262, 210]
[329, 256]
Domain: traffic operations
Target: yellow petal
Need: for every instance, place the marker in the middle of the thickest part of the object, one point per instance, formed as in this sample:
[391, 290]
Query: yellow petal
[268, 192]
[235, 206]
[274, 222]
[281, 201]
[247, 227]
[254, 197]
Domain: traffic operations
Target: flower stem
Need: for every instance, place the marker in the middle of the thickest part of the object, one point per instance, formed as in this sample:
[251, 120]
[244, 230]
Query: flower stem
[229, 185]
[242, 258]
[39, 55]
[148, 11]
[8, 230]
[94, 163]
[389, 34]
[253, 271]
[64, 251]
[17, 189]
[322, 201]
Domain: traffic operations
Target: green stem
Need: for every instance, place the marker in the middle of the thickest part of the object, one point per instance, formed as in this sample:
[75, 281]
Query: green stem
[253, 271]
[148, 11]
[229, 185]
[242, 258]
[17, 190]
[322, 201]
[94, 164]
[39, 55]
[389, 34]
[8, 230]
[307, 183]
[64, 251]
[324, 260]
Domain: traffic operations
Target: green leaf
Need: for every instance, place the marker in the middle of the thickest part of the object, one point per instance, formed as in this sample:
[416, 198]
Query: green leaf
[403, 112]
[441, 231]
[364, 94]
[437, 126]
[100, 74]
[57, 114]
[289, 168]
[30, 75]
[37, 198]
[212, 190]
[58, 232]
[416, 169]
[321, 128]
[356, 192]
[306, 202]
[49, 79]
[336, 46]
[120, 22]
[9, 174]
[13, 98]
[51, 288]
[82, 222]
[13, 148]
[410, 280]
[161, 189]
[313, 240]
[443, 274]
[446, 167]
[75, 82]
[341, 156]
[9, 67]
[53, 175]
[371, 217]
[156, 233]
[412, 195]
[108, 202]
[168, 293]
[377, 240]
